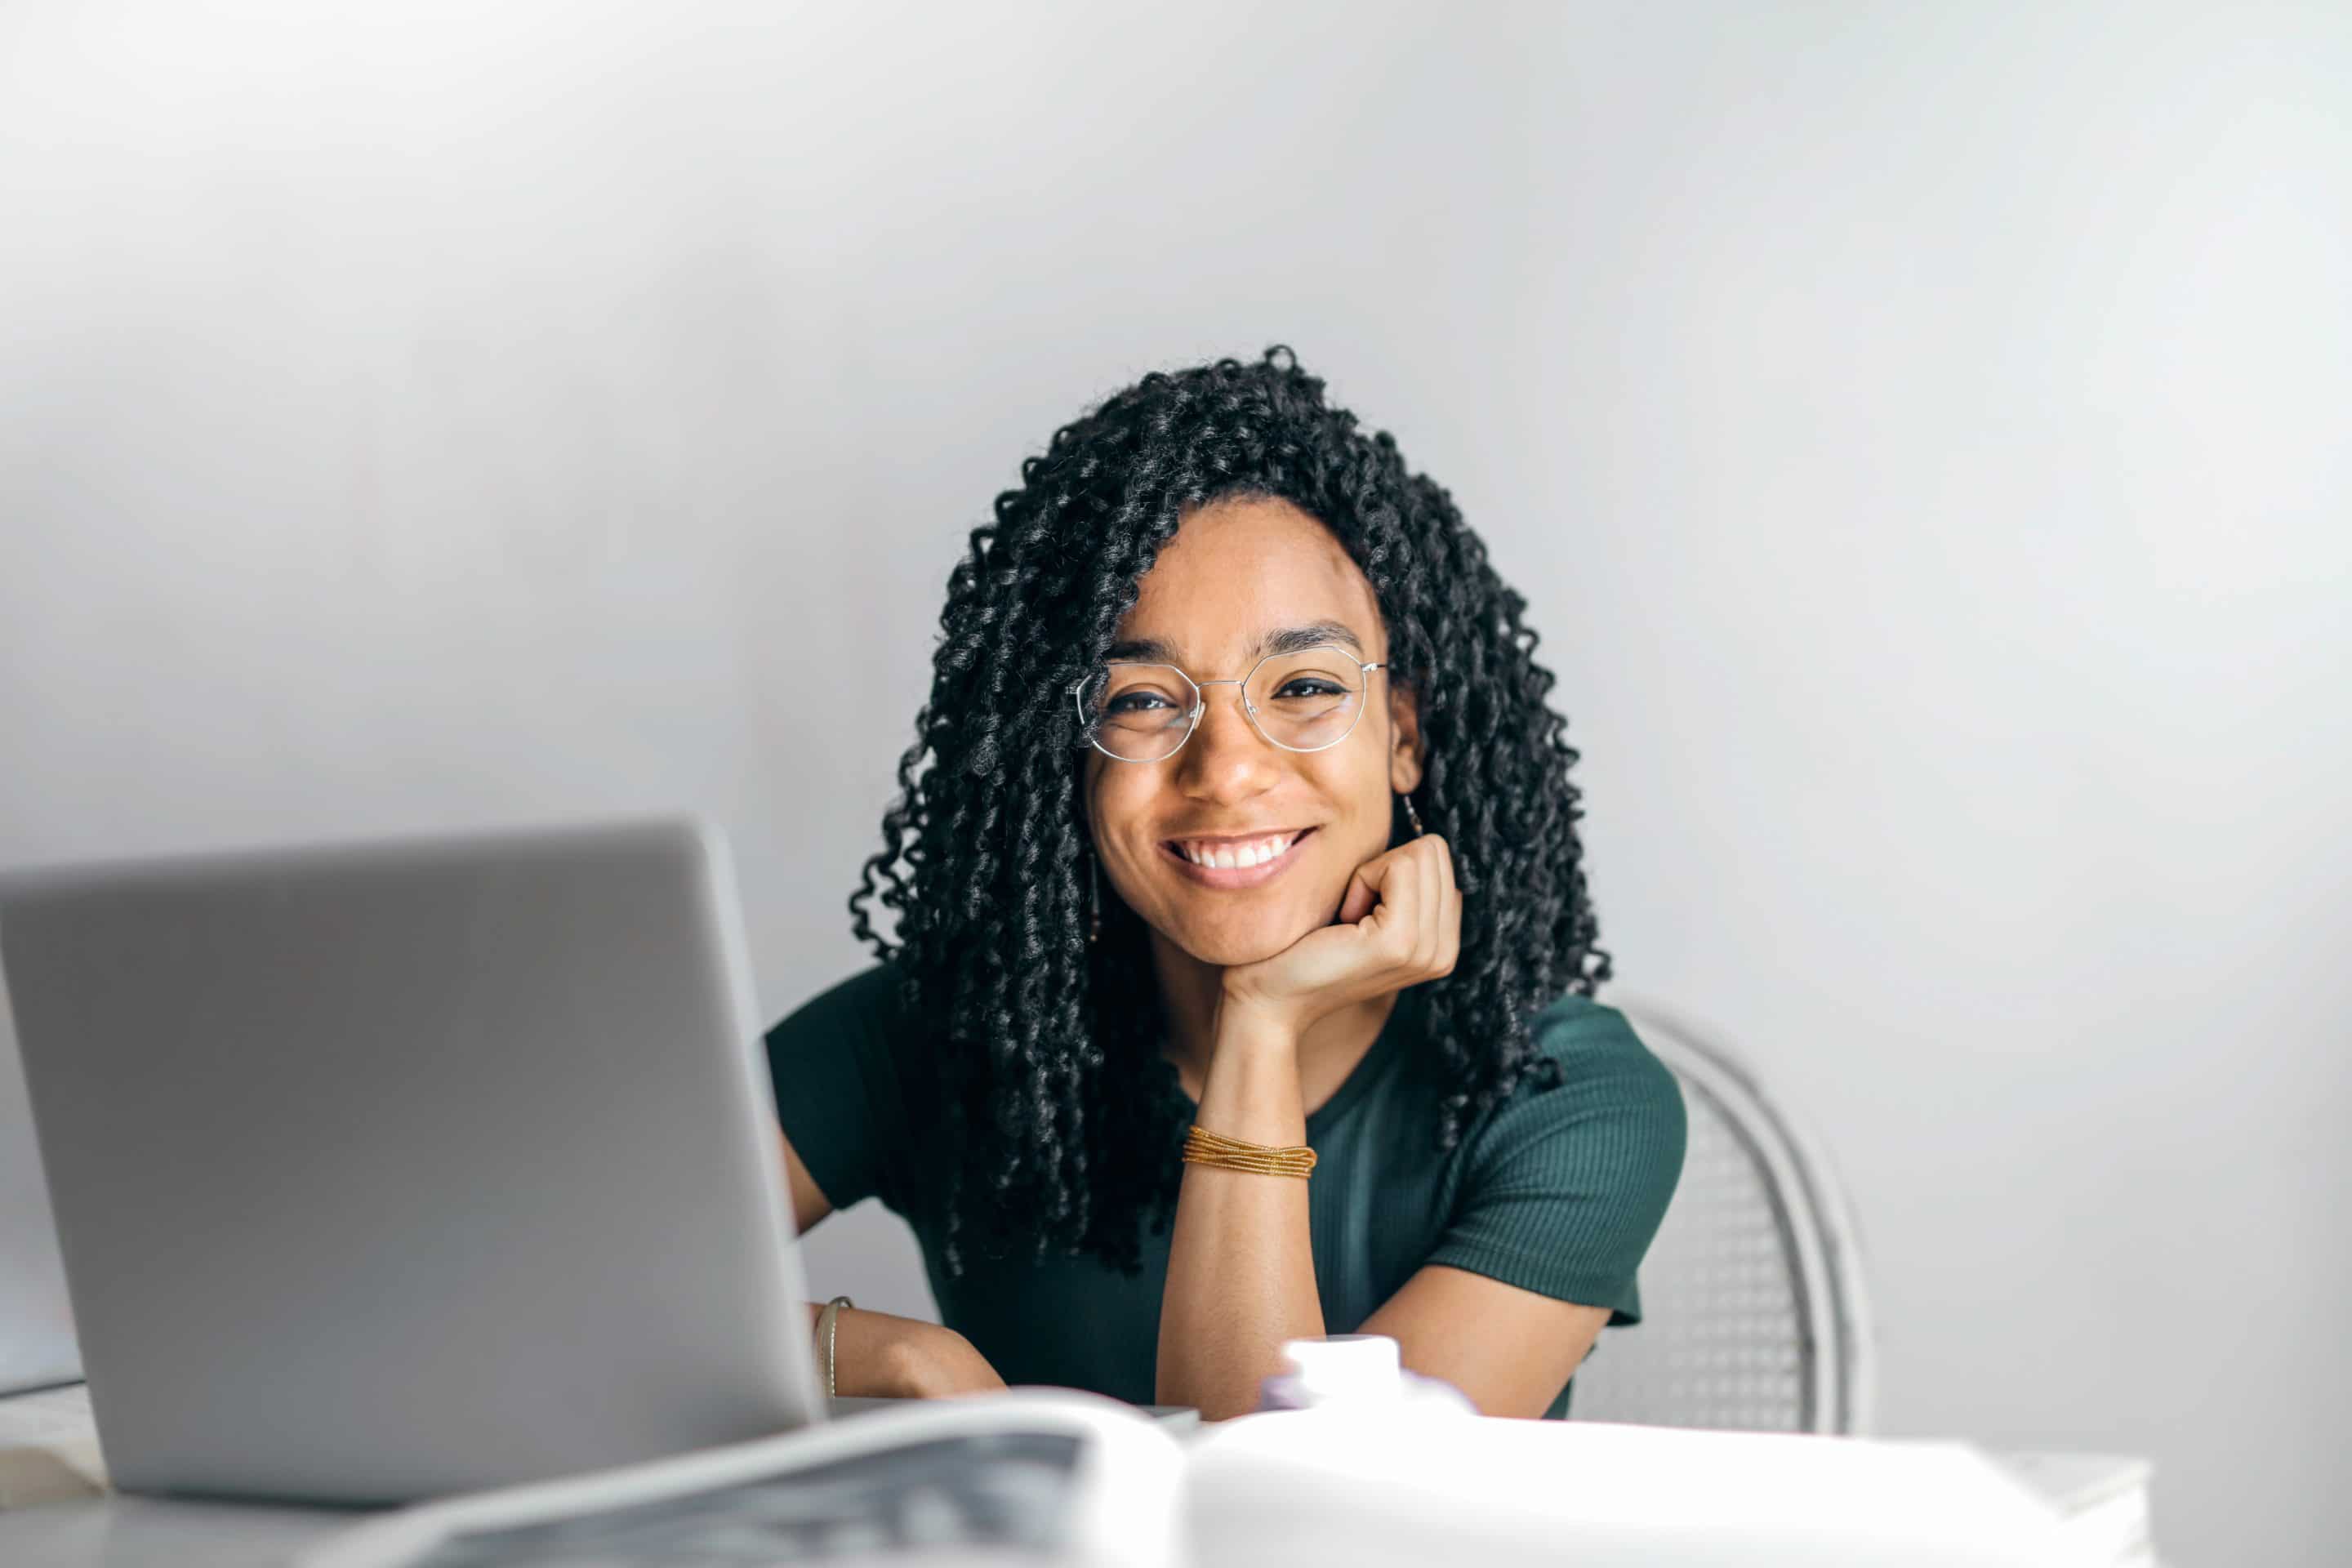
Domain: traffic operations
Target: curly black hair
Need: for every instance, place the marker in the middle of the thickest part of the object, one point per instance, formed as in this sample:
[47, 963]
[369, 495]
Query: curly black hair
[1061, 1117]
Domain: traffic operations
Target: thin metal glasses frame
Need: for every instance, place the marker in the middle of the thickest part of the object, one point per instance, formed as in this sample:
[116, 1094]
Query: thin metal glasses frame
[1087, 726]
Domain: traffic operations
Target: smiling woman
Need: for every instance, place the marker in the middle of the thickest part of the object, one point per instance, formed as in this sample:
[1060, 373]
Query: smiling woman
[1237, 807]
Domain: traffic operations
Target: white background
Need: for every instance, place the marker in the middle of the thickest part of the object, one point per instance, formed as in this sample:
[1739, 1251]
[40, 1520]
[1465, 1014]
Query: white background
[1920, 431]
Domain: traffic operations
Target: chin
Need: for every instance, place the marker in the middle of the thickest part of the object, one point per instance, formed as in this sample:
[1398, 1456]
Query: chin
[1238, 942]
[1231, 955]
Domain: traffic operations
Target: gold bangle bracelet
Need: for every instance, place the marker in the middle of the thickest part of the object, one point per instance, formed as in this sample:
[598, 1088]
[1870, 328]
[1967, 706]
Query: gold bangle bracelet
[1276, 1161]
[827, 1321]
[1203, 1147]
[1225, 1163]
[1200, 1137]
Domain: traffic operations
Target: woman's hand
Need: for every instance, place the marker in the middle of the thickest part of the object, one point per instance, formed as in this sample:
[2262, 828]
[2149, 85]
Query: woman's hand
[1399, 923]
[877, 1353]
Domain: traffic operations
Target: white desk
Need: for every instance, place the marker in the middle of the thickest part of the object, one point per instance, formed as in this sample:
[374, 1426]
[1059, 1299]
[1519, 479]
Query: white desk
[54, 1515]
[49, 1468]
[106, 1530]
[139, 1532]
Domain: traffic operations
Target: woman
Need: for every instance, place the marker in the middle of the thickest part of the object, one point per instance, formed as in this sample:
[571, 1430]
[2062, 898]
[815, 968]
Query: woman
[1236, 804]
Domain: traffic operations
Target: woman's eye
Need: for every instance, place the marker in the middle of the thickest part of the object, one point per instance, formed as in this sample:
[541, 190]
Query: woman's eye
[1136, 702]
[1307, 687]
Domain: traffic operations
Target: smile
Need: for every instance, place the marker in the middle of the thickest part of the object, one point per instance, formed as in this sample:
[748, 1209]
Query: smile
[1242, 860]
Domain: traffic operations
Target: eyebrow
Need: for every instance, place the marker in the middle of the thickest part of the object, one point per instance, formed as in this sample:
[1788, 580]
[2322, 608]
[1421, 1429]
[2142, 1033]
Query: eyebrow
[1290, 640]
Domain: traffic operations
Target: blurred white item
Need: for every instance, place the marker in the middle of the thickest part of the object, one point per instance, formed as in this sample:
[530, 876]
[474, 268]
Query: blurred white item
[1347, 1366]
[2103, 1498]
[1365, 1372]
[1027, 1476]
[1326, 1486]
[1834, 1497]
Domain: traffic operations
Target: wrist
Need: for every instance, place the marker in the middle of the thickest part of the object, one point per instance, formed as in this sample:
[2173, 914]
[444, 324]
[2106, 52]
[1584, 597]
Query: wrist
[903, 1368]
[1251, 1089]
[1258, 1027]
[936, 1362]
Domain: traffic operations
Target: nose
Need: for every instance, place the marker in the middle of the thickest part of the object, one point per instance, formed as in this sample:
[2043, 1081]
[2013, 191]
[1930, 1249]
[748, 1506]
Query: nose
[1226, 761]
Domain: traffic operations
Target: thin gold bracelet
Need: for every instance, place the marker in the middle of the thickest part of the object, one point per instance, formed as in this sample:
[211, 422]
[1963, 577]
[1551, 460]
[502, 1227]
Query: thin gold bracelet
[827, 1321]
[1203, 1147]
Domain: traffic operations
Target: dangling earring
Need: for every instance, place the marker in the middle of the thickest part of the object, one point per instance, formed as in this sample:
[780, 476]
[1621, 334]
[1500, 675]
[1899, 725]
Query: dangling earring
[1411, 815]
[1094, 899]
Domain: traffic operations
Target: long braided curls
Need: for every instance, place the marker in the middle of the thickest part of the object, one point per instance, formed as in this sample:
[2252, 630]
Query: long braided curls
[1061, 1122]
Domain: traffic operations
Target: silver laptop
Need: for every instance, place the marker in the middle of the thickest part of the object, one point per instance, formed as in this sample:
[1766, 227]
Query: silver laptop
[388, 1170]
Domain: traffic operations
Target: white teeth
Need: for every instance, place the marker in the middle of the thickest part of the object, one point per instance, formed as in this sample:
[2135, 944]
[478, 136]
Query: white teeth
[1255, 852]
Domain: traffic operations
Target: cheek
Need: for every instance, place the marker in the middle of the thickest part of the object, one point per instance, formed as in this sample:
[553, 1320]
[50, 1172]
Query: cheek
[1118, 808]
[1345, 849]
[1113, 795]
[1358, 796]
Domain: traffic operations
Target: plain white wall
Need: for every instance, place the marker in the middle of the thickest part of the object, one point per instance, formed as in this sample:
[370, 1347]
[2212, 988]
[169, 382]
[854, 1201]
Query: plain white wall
[1921, 433]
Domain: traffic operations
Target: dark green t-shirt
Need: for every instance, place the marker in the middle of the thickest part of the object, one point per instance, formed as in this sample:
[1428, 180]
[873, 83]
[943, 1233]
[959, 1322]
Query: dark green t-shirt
[1555, 1191]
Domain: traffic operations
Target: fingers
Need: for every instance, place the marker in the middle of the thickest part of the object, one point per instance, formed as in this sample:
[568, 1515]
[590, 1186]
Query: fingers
[1370, 886]
[1433, 911]
[1449, 925]
[1449, 947]
[1441, 908]
[1408, 902]
[1395, 924]
[1417, 906]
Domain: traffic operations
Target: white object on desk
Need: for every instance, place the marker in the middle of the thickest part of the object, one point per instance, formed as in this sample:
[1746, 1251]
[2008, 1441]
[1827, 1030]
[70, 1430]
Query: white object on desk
[2103, 1499]
[1324, 1486]
[1347, 1366]
[1026, 1476]
[1500, 1490]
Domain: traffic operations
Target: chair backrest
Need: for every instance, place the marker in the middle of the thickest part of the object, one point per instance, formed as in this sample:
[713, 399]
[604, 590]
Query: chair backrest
[1754, 1314]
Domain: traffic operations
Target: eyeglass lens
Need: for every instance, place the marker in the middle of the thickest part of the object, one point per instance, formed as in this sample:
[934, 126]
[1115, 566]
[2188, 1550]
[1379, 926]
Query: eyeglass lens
[1303, 701]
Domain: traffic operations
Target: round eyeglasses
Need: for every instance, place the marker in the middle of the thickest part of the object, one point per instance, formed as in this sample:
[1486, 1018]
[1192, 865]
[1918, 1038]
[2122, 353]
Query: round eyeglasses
[1302, 700]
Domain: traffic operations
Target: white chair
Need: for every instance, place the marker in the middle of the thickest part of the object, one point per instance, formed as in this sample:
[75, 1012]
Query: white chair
[1754, 1314]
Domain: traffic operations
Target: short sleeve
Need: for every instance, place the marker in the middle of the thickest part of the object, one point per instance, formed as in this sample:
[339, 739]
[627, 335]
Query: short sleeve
[831, 1063]
[1563, 1188]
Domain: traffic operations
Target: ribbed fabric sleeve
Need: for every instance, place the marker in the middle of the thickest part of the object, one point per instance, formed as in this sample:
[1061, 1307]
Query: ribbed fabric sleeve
[1564, 1188]
[819, 1060]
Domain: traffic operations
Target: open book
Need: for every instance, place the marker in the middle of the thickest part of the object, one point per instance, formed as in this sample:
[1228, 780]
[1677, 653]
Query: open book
[1037, 1476]
[1027, 1476]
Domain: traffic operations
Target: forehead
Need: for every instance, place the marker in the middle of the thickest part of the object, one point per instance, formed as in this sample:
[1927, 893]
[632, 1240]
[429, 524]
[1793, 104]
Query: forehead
[1240, 570]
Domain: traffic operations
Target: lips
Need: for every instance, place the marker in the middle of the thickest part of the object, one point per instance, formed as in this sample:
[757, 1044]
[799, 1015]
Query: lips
[1234, 860]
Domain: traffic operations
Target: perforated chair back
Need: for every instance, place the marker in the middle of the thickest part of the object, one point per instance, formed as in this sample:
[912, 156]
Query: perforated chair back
[1755, 1315]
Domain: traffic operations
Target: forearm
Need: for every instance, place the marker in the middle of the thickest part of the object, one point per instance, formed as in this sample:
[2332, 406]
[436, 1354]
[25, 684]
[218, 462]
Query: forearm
[902, 1358]
[1241, 1269]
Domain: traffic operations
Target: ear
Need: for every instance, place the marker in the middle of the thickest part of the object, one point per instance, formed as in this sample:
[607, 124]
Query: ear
[1404, 738]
